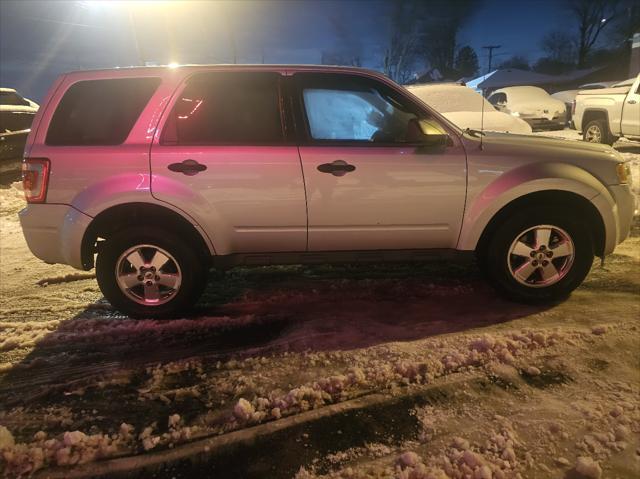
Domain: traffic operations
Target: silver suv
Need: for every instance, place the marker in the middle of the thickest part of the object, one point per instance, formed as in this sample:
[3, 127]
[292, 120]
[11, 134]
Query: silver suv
[165, 172]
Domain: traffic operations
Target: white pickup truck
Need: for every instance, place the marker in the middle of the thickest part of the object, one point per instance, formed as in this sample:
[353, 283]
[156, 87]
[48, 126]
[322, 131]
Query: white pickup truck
[606, 114]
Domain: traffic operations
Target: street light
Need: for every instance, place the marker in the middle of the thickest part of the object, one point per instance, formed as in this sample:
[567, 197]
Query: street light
[134, 8]
[130, 6]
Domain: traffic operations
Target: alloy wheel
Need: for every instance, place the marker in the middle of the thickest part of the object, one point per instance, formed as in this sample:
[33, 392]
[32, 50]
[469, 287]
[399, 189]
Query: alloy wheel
[148, 275]
[593, 134]
[541, 256]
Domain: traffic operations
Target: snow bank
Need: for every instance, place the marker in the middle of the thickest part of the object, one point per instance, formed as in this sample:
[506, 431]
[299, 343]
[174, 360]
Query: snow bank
[588, 468]
[373, 369]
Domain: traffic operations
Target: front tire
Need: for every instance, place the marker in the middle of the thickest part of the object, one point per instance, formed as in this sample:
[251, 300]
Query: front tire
[538, 256]
[597, 131]
[150, 273]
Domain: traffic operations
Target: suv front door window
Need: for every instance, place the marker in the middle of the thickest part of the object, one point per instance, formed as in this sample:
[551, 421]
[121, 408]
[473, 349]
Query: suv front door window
[364, 115]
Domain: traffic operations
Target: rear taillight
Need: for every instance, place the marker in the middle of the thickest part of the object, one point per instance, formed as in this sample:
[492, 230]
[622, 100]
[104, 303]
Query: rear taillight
[573, 107]
[35, 179]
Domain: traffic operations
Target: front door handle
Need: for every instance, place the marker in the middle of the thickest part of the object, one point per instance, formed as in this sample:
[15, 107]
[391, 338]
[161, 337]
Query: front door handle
[187, 167]
[336, 168]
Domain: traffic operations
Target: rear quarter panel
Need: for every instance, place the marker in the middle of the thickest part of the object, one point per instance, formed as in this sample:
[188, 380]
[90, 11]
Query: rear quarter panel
[85, 176]
[93, 178]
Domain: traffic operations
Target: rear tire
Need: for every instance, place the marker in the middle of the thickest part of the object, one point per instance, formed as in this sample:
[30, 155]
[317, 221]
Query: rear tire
[148, 272]
[597, 131]
[538, 256]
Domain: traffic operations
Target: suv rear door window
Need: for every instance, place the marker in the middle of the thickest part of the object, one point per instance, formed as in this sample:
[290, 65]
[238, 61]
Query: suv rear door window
[100, 112]
[227, 108]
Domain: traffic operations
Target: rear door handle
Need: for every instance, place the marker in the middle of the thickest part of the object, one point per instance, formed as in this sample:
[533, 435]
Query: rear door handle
[187, 167]
[336, 168]
[631, 102]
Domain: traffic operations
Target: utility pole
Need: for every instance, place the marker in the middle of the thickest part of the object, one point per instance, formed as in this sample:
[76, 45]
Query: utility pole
[491, 48]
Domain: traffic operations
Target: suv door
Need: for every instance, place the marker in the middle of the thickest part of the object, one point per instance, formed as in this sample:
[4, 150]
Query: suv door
[224, 158]
[370, 184]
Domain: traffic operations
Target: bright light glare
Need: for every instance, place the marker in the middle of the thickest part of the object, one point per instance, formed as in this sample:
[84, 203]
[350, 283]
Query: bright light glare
[123, 3]
[173, 65]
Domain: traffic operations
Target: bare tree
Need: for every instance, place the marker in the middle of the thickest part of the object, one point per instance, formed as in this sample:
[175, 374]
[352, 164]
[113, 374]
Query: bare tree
[444, 19]
[516, 61]
[593, 16]
[626, 24]
[400, 54]
[559, 46]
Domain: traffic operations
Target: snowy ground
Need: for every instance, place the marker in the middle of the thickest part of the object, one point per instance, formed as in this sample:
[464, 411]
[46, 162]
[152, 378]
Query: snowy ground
[558, 396]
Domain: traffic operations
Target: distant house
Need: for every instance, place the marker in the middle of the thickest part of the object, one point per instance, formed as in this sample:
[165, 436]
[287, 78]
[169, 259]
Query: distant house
[514, 77]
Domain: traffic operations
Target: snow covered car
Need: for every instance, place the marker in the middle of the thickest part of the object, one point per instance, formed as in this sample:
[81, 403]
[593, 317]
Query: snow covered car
[463, 107]
[605, 115]
[11, 98]
[164, 172]
[16, 116]
[533, 105]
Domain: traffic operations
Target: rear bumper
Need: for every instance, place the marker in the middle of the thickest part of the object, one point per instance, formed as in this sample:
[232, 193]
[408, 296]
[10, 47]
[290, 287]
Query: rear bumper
[54, 232]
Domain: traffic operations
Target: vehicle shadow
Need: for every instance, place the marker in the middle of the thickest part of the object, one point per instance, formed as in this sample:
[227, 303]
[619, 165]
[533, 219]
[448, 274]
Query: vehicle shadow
[265, 311]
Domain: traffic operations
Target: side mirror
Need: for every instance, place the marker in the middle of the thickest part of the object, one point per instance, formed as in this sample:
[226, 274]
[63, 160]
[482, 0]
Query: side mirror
[432, 134]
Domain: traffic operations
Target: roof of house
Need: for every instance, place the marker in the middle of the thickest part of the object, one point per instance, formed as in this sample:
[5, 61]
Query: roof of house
[514, 77]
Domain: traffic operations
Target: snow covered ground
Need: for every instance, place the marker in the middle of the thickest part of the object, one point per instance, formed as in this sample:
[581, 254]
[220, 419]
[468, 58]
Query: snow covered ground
[558, 395]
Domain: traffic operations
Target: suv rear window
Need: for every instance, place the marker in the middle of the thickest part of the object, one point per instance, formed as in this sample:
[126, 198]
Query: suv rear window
[227, 108]
[99, 112]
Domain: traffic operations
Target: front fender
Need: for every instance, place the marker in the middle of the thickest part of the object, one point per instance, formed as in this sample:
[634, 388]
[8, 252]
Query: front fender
[484, 202]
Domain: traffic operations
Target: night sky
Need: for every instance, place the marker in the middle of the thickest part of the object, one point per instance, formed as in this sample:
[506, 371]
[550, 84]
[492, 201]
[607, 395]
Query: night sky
[41, 39]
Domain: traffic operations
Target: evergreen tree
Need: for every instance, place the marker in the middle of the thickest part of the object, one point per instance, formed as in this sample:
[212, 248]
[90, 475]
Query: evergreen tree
[467, 62]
